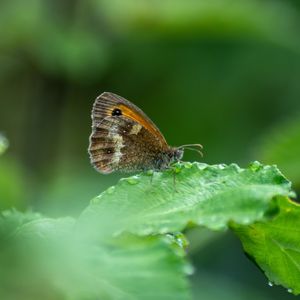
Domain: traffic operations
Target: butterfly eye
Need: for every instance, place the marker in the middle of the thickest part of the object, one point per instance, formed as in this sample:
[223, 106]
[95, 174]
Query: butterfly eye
[116, 112]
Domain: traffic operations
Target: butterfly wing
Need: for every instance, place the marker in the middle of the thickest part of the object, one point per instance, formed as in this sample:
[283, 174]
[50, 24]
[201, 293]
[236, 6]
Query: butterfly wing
[123, 137]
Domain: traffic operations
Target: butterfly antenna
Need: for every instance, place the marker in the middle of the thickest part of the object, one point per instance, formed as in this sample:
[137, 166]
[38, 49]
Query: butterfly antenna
[196, 150]
[193, 147]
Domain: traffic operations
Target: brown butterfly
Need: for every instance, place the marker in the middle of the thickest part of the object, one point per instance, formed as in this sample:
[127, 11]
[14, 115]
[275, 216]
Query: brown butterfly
[124, 138]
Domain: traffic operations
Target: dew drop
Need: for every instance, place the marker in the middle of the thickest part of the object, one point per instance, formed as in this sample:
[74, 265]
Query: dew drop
[188, 269]
[164, 230]
[188, 165]
[255, 166]
[181, 240]
[133, 180]
[270, 283]
[110, 190]
[96, 200]
[176, 168]
[290, 291]
[149, 172]
[201, 166]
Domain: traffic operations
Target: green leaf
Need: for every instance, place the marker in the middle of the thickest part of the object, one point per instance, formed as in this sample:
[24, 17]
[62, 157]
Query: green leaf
[12, 220]
[204, 195]
[275, 245]
[282, 146]
[43, 258]
[23, 274]
[132, 268]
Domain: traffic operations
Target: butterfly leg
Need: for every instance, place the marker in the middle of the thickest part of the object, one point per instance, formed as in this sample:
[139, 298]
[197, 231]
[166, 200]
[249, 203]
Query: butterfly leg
[174, 182]
[173, 170]
[151, 178]
[151, 174]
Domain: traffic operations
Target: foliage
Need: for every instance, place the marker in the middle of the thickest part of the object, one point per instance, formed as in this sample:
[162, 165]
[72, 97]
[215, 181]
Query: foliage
[218, 72]
[282, 146]
[275, 245]
[125, 245]
[62, 265]
[195, 194]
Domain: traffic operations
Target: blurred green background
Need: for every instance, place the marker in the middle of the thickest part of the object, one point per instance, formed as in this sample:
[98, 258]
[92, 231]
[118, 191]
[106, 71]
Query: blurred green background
[223, 73]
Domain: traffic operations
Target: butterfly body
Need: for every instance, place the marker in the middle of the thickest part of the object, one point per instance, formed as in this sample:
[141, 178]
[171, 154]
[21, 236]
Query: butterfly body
[123, 138]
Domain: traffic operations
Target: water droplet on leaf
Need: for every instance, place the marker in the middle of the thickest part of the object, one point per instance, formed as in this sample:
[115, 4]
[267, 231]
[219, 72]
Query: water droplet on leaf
[133, 180]
[188, 269]
[110, 190]
[188, 165]
[255, 166]
[150, 172]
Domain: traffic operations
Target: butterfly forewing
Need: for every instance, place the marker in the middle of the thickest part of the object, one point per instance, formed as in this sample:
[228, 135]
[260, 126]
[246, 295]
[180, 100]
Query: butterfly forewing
[123, 137]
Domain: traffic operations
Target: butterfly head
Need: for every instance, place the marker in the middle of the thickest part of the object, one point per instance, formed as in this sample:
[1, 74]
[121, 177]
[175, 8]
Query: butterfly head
[164, 159]
[176, 154]
[193, 147]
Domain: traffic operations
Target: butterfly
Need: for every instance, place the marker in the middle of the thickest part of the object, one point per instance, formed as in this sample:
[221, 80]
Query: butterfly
[123, 138]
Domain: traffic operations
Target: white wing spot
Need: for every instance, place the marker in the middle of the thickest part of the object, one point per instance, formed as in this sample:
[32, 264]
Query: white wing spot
[118, 141]
[135, 129]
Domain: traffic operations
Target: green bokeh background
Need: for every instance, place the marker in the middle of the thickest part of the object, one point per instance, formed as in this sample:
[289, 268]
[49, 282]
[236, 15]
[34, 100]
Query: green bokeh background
[223, 73]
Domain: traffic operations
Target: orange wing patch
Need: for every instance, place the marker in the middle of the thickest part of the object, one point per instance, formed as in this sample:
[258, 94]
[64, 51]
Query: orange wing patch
[129, 113]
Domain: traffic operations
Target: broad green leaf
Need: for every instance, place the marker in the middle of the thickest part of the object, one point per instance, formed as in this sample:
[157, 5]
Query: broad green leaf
[25, 254]
[275, 245]
[198, 194]
[130, 268]
[12, 220]
[44, 259]
[282, 146]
